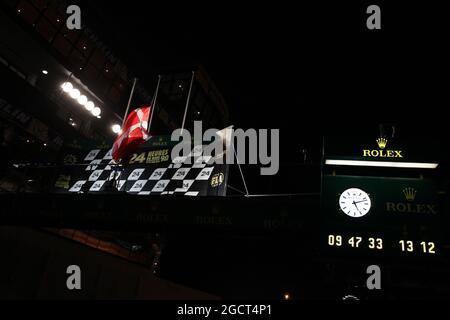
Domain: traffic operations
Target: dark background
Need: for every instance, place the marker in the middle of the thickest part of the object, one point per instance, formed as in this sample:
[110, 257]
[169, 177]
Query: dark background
[307, 68]
[310, 69]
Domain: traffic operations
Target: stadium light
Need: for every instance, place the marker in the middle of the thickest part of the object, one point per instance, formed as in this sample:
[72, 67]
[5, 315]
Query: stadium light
[82, 100]
[74, 93]
[89, 106]
[67, 87]
[96, 111]
[116, 128]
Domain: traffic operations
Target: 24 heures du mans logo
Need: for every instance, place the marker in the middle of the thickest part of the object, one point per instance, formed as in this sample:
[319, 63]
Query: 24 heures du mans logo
[410, 206]
[381, 152]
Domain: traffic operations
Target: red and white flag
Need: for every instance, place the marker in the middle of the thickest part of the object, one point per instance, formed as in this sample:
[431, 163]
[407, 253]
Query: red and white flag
[134, 133]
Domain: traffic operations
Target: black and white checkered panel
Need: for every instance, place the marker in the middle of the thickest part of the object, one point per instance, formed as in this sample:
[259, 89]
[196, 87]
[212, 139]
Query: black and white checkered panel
[96, 170]
[189, 176]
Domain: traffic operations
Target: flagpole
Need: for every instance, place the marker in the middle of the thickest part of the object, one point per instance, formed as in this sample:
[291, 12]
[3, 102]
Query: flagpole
[129, 102]
[188, 101]
[240, 169]
[155, 98]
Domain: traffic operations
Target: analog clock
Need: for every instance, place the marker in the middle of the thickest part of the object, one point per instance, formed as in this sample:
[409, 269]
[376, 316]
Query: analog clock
[355, 202]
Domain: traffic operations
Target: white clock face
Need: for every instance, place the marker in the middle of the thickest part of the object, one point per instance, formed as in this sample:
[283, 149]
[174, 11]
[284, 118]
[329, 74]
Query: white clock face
[355, 202]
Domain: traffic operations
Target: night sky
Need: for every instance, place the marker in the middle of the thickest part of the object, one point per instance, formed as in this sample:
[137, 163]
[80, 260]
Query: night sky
[307, 69]
[310, 70]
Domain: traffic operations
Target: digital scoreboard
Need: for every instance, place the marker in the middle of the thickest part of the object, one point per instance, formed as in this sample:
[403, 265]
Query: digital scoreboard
[399, 215]
[381, 197]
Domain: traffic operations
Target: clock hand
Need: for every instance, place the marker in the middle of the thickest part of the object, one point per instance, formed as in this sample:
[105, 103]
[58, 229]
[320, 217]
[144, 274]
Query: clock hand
[356, 207]
[359, 201]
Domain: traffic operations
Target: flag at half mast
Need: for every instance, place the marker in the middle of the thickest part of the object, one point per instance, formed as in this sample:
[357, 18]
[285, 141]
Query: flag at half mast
[133, 133]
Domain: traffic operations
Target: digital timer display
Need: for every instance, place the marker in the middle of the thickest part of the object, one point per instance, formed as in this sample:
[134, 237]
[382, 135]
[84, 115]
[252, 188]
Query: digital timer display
[380, 244]
[383, 216]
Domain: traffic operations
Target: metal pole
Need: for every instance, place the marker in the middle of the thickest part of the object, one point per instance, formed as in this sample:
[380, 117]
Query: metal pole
[155, 98]
[129, 102]
[240, 169]
[188, 101]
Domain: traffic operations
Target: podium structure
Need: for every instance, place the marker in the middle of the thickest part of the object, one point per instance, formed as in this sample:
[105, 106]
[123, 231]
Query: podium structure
[150, 171]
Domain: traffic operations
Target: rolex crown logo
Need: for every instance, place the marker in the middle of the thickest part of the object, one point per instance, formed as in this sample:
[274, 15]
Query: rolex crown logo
[410, 194]
[382, 142]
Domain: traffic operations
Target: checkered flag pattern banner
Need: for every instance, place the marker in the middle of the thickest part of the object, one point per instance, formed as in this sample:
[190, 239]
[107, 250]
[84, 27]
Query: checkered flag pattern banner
[151, 172]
